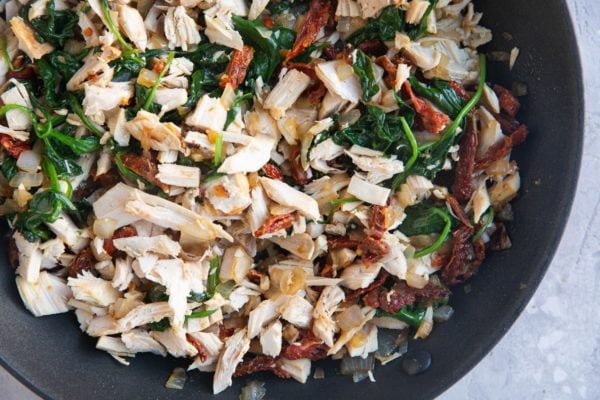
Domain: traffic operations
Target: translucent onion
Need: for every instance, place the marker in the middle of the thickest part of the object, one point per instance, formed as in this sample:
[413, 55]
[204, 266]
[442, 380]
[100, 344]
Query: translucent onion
[443, 313]
[416, 281]
[27, 179]
[176, 379]
[104, 228]
[427, 324]
[351, 365]
[350, 318]
[254, 390]
[29, 161]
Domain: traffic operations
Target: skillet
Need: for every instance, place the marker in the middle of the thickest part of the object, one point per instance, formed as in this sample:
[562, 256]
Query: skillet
[55, 360]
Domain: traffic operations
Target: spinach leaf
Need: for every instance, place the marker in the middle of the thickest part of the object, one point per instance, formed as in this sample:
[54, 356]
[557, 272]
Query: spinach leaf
[425, 219]
[76, 108]
[156, 293]
[422, 219]
[8, 166]
[295, 7]
[50, 78]
[267, 44]
[207, 55]
[160, 326]
[127, 68]
[384, 27]
[66, 164]
[376, 130]
[416, 31]
[410, 315]
[440, 94]
[202, 80]
[200, 314]
[152, 92]
[305, 55]
[235, 108]
[54, 27]
[66, 64]
[363, 67]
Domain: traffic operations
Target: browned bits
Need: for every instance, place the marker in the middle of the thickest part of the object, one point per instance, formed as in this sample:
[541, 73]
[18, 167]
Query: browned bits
[237, 68]
[275, 223]
[123, 232]
[316, 18]
[84, 261]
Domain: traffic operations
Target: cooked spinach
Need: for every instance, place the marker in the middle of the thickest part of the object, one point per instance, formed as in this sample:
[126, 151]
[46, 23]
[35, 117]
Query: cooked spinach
[383, 27]
[75, 105]
[363, 68]
[440, 94]
[213, 275]
[267, 44]
[378, 131]
[148, 101]
[416, 31]
[410, 315]
[54, 27]
[8, 166]
[160, 326]
[296, 7]
[426, 219]
[235, 108]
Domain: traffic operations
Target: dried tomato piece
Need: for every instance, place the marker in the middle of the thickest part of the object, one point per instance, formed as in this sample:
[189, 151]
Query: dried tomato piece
[377, 283]
[461, 251]
[373, 47]
[308, 69]
[458, 210]
[508, 124]
[502, 148]
[84, 261]
[433, 121]
[13, 146]
[202, 352]
[275, 223]
[237, 68]
[463, 174]
[390, 69]
[373, 248]
[225, 332]
[316, 18]
[460, 90]
[268, 21]
[123, 232]
[254, 276]
[329, 53]
[316, 93]
[402, 295]
[298, 173]
[309, 346]
[341, 242]
[27, 72]
[508, 102]
[272, 171]
[144, 167]
[261, 363]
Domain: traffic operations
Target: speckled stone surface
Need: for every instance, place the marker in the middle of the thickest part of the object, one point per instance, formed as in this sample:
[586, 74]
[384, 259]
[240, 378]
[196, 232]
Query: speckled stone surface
[553, 350]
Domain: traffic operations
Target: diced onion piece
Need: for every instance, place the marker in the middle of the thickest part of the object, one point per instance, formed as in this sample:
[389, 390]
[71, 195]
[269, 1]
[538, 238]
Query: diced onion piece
[104, 228]
[29, 161]
[350, 318]
[176, 379]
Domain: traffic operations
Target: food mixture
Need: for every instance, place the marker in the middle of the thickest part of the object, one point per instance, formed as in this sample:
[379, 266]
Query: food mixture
[252, 185]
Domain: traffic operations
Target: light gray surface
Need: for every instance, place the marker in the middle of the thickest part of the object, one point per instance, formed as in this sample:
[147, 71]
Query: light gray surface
[553, 350]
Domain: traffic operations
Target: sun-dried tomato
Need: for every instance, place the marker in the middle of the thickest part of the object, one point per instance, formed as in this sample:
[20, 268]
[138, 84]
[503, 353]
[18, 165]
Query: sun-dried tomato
[144, 167]
[377, 219]
[378, 282]
[460, 90]
[27, 72]
[503, 148]
[254, 276]
[508, 102]
[373, 248]
[457, 209]
[225, 332]
[309, 346]
[84, 261]
[316, 18]
[275, 223]
[329, 53]
[272, 171]
[316, 93]
[308, 69]
[123, 232]
[298, 173]
[508, 124]
[402, 295]
[13, 146]
[268, 21]
[341, 242]
[373, 47]
[433, 121]
[202, 352]
[461, 251]
[261, 363]
[463, 173]
[390, 69]
[237, 68]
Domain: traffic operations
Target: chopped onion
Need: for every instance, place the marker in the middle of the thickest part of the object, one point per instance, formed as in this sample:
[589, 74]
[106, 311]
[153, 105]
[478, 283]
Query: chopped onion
[387, 340]
[29, 161]
[253, 390]
[359, 376]
[349, 117]
[104, 228]
[427, 324]
[225, 288]
[443, 313]
[350, 365]
[350, 318]
[176, 379]
[319, 373]
[27, 179]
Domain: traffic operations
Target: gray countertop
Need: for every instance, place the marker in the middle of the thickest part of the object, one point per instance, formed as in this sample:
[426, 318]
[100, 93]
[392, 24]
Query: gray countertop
[553, 350]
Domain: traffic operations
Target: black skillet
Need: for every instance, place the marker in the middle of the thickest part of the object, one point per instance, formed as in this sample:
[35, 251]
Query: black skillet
[54, 359]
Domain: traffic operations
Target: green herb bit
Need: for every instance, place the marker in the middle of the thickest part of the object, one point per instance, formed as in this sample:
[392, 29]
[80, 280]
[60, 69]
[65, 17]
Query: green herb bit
[200, 314]
[413, 317]
[441, 239]
[218, 150]
[486, 221]
[162, 73]
[363, 67]
[213, 274]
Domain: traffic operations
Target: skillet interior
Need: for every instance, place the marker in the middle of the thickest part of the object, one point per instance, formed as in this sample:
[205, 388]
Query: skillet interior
[53, 358]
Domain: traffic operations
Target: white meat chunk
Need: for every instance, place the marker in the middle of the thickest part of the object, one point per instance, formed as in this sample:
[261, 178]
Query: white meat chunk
[47, 296]
[90, 289]
[286, 195]
[180, 29]
[286, 92]
[236, 347]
